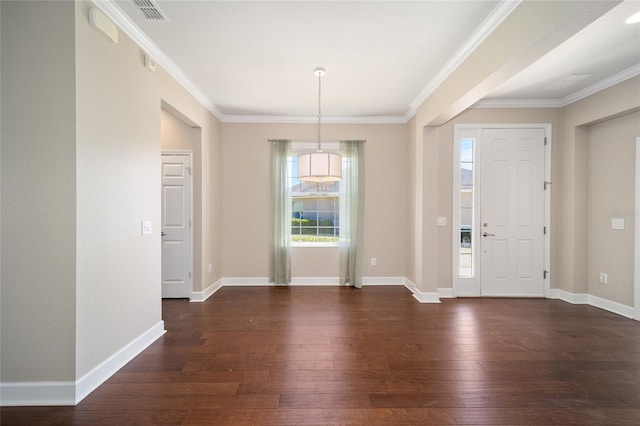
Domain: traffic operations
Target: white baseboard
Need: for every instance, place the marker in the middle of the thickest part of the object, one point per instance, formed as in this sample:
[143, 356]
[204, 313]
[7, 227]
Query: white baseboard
[309, 281]
[409, 285]
[37, 393]
[312, 281]
[90, 381]
[421, 296]
[249, 281]
[446, 293]
[424, 297]
[573, 298]
[71, 393]
[383, 280]
[589, 299]
[608, 305]
[201, 296]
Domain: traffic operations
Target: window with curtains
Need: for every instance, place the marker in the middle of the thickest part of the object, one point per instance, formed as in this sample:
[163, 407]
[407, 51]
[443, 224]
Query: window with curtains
[319, 214]
[315, 207]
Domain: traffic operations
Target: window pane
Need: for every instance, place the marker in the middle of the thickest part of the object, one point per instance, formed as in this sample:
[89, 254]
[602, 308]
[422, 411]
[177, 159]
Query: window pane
[466, 150]
[315, 209]
[325, 204]
[466, 267]
[466, 203]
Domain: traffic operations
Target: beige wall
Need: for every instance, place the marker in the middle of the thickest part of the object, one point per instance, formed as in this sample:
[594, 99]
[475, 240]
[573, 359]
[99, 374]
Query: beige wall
[38, 192]
[247, 189]
[1, 214]
[571, 190]
[431, 255]
[118, 175]
[612, 155]
[80, 171]
[412, 205]
[175, 134]
[119, 144]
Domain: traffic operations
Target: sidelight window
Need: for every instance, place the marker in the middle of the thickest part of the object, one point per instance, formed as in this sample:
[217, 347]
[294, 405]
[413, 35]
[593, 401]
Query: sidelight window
[466, 194]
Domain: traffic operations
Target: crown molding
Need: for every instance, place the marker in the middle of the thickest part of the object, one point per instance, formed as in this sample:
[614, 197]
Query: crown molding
[113, 11]
[518, 103]
[599, 86]
[284, 119]
[495, 18]
[603, 84]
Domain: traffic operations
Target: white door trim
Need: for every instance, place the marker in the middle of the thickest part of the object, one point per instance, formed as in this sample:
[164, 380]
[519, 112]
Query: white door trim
[188, 154]
[459, 131]
[636, 272]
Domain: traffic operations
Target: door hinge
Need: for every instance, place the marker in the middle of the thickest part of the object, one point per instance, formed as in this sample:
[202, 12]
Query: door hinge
[189, 275]
[188, 169]
[545, 141]
[546, 183]
[544, 274]
[544, 230]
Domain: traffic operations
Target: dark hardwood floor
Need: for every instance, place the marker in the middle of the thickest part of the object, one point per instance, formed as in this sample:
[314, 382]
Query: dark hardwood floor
[335, 355]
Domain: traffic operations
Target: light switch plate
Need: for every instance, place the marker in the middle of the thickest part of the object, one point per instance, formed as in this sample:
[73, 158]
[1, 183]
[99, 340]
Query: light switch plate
[617, 223]
[147, 228]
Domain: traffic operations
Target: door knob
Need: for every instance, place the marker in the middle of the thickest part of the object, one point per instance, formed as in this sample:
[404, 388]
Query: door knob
[486, 234]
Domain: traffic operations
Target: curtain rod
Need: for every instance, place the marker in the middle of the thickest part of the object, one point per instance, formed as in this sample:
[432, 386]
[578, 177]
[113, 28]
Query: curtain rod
[315, 141]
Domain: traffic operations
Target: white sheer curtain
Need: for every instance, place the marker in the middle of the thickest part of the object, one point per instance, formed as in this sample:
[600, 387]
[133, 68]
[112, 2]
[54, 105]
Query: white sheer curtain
[351, 212]
[281, 251]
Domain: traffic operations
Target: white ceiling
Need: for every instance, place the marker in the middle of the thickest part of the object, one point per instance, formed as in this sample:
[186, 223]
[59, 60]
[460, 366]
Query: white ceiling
[254, 60]
[604, 53]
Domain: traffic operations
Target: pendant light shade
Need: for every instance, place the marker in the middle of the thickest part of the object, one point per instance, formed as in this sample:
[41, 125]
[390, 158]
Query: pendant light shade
[319, 166]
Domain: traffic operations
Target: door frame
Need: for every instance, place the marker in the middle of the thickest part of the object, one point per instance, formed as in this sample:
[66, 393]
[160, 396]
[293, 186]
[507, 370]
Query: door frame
[466, 286]
[636, 272]
[189, 154]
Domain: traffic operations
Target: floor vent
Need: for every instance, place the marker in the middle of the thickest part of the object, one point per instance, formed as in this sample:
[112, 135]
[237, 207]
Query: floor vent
[149, 10]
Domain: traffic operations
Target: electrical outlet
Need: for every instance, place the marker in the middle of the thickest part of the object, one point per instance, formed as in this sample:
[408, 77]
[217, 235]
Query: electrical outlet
[617, 223]
[210, 268]
[604, 277]
[373, 261]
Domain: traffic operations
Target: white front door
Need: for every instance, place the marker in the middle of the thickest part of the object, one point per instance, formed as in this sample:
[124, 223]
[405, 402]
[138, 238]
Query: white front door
[176, 226]
[512, 212]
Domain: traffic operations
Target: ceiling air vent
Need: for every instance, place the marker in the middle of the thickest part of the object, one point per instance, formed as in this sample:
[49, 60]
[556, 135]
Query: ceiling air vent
[149, 10]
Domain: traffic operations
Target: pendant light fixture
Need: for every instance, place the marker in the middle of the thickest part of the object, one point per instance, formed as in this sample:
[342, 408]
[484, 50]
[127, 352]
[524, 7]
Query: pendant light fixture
[319, 166]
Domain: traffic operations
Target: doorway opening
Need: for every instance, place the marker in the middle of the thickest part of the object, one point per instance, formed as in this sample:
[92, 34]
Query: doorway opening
[180, 183]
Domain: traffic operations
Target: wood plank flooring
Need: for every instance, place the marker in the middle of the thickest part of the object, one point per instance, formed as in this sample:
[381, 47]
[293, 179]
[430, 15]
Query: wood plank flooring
[335, 355]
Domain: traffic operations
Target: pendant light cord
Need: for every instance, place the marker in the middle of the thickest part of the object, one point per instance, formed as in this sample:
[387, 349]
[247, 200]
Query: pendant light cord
[319, 109]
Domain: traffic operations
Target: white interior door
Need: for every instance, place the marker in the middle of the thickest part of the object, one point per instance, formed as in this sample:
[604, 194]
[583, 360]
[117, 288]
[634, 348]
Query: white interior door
[512, 212]
[176, 226]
